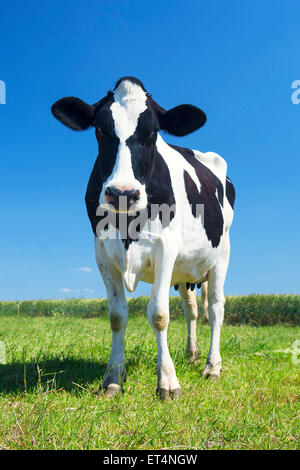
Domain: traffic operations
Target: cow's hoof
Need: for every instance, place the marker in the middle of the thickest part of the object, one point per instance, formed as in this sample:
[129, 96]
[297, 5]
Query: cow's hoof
[165, 394]
[212, 377]
[193, 356]
[212, 372]
[175, 394]
[110, 391]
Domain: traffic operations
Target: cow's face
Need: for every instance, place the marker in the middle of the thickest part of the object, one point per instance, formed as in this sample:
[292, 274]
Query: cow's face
[126, 122]
[126, 130]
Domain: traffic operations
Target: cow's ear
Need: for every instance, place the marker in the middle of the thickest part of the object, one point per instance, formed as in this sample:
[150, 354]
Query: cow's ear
[74, 113]
[182, 120]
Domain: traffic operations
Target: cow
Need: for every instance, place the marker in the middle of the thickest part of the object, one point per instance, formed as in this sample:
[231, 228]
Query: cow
[136, 171]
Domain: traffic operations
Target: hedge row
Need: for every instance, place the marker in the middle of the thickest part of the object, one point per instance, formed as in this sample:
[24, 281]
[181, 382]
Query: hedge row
[250, 309]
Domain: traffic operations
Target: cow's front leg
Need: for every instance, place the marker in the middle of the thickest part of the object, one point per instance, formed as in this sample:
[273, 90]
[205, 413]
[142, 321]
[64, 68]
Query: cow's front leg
[118, 315]
[216, 301]
[158, 315]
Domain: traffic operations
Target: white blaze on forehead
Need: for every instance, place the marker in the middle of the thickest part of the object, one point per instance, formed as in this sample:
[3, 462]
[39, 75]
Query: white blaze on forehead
[122, 174]
[129, 104]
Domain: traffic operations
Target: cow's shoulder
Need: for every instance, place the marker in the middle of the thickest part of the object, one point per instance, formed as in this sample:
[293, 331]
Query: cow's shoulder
[214, 163]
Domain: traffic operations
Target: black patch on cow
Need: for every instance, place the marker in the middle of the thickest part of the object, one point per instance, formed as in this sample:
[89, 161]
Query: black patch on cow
[142, 145]
[230, 192]
[108, 145]
[210, 185]
[159, 188]
[103, 167]
[107, 100]
[158, 110]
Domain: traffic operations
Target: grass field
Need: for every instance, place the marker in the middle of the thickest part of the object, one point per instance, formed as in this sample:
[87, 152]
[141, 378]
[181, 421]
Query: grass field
[246, 309]
[54, 366]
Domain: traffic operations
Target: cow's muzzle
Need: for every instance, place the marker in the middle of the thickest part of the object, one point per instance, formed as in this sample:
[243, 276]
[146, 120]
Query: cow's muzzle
[121, 200]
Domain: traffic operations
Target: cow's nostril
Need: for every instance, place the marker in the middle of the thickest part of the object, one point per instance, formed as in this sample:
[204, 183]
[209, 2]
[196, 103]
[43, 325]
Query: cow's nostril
[133, 196]
[112, 196]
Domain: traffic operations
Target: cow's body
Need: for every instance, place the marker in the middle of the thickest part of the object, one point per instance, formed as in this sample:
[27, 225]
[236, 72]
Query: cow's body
[196, 254]
[186, 247]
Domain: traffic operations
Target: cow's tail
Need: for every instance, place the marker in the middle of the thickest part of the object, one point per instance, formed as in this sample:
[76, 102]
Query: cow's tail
[204, 298]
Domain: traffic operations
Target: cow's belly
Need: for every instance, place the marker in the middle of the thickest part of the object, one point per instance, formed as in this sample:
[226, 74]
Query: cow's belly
[191, 266]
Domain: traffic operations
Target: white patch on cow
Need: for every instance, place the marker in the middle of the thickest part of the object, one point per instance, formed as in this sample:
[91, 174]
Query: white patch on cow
[133, 267]
[130, 102]
[139, 258]
[218, 166]
[214, 163]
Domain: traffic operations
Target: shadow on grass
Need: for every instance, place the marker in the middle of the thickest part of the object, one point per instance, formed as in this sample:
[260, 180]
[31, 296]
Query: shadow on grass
[70, 374]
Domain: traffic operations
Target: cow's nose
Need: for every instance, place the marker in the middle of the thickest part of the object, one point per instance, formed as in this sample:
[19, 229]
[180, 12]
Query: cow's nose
[121, 199]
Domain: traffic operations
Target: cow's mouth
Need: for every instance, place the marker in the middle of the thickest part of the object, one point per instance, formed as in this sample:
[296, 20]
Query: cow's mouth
[131, 207]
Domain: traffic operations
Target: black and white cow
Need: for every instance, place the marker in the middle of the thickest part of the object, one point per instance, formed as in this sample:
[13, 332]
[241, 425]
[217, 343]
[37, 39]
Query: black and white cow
[137, 167]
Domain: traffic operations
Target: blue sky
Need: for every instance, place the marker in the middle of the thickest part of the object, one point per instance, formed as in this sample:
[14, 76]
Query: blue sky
[236, 60]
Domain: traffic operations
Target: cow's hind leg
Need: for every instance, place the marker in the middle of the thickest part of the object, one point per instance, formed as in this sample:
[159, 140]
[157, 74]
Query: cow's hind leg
[190, 308]
[158, 315]
[204, 298]
[216, 301]
[118, 315]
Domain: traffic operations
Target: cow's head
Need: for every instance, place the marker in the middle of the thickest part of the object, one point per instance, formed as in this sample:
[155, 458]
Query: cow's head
[127, 121]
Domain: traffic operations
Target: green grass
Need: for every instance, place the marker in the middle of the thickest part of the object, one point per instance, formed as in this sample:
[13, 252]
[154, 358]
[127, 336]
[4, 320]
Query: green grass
[55, 364]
